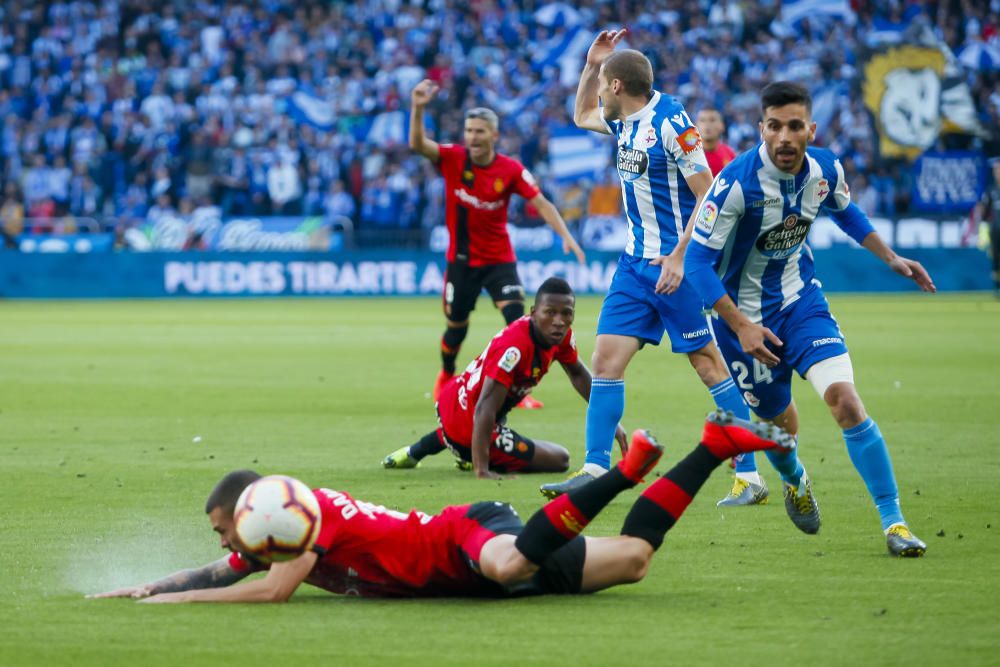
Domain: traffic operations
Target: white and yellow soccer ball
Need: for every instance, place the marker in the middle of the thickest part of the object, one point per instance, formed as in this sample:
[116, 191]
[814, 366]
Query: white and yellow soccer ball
[277, 518]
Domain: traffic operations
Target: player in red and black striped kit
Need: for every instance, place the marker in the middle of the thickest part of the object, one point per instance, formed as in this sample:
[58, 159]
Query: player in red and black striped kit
[472, 407]
[478, 185]
[477, 550]
[717, 152]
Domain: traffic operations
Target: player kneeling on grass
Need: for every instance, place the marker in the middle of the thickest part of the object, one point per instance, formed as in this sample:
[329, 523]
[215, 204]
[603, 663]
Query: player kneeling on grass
[477, 550]
[472, 407]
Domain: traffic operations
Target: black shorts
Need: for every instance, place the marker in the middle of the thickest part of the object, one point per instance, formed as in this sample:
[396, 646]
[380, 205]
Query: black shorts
[509, 450]
[463, 283]
[562, 571]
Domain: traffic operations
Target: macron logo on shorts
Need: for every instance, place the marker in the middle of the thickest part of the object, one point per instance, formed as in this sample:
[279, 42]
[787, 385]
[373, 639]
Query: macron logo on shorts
[688, 335]
[827, 341]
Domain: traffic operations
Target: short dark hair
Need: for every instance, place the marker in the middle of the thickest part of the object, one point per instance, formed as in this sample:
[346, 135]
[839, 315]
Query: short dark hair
[633, 69]
[554, 285]
[780, 93]
[228, 490]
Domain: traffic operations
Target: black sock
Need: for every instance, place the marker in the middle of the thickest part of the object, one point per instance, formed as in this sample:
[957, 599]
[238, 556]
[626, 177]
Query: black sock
[562, 519]
[451, 343]
[512, 311]
[428, 445]
[661, 505]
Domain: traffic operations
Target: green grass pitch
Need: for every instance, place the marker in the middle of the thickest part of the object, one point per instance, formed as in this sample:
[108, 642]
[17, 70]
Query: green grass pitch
[102, 484]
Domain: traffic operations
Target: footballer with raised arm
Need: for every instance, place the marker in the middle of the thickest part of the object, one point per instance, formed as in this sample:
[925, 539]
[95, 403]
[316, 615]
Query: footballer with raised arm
[479, 182]
[664, 175]
[472, 407]
[477, 550]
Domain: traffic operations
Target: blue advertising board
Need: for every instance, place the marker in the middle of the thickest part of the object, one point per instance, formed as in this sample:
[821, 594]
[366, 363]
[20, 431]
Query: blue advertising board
[393, 273]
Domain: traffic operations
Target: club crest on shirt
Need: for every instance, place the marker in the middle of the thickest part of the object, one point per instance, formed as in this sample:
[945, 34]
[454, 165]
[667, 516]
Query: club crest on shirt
[650, 138]
[822, 190]
[632, 163]
[510, 358]
[498, 185]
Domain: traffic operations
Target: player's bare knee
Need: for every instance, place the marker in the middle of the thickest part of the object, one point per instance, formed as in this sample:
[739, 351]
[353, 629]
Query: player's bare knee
[845, 404]
[637, 556]
[708, 366]
[515, 570]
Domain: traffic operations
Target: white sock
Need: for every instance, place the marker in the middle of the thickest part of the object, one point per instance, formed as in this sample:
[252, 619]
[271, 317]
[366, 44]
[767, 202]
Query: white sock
[752, 477]
[594, 469]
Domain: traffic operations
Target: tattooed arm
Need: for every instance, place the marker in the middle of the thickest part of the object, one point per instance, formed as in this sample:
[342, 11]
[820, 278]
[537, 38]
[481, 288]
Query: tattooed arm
[281, 581]
[213, 575]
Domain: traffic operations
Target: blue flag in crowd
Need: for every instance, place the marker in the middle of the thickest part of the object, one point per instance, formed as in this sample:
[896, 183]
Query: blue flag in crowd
[576, 153]
[308, 110]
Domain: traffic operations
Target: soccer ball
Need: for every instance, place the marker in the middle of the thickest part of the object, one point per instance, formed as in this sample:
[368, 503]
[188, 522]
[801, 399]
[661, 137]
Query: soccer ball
[277, 518]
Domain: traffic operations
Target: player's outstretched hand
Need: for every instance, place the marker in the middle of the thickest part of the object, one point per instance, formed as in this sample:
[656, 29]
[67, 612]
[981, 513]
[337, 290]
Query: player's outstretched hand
[753, 339]
[424, 92]
[489, 474]
[604, 45]
[135, 592]
[622, 439]
[571, 246]
[913, 270]
[164, 598]
[671, 272]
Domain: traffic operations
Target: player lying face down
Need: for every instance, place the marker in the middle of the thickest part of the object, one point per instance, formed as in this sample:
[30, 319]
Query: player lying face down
[477, 550]
[472, 407]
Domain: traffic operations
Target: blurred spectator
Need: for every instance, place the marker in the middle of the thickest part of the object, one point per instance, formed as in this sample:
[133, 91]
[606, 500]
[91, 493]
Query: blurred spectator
[284, 187]
[864, 195]
[199, 167]
[337, 202]
[36, 184]
[235, 183]
[11, 214]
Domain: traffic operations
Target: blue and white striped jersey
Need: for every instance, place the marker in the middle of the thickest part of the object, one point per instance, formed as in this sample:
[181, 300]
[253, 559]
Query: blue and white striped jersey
[754, 222]
[658, 147]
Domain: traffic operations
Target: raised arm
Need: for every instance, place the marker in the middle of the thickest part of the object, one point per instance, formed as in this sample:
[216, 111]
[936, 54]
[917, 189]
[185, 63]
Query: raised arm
[422, 94]
[587, 111]
[484, 421]
[553, 219]
[214, 575]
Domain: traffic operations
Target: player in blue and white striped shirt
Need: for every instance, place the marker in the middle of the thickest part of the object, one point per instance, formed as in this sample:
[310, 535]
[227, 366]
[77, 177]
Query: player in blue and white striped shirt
[750, 261]
[664, 175]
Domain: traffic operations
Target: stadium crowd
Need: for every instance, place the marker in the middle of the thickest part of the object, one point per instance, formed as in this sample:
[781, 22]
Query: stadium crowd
[122, 111]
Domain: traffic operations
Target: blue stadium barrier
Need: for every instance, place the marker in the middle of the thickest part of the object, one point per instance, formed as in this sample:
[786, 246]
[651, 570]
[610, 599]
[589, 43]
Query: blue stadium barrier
[393, 273]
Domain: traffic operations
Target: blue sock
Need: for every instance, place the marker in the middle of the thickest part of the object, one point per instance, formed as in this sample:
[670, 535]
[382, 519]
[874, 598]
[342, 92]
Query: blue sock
[787, 464]
[604, 411]
[870, 456]
[727, 396]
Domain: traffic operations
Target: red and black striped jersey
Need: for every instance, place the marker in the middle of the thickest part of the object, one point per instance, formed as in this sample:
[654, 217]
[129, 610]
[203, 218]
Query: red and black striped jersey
[476, 201]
